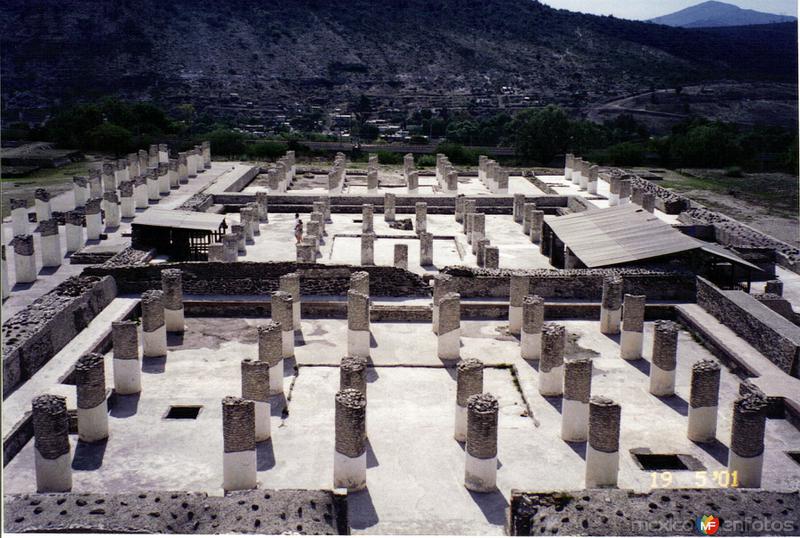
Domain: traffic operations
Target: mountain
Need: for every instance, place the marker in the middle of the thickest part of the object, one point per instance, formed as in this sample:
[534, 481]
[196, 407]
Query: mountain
[254, 58]
[713, 14]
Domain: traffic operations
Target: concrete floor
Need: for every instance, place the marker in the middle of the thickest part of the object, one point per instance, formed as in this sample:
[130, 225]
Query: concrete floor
[415, 468]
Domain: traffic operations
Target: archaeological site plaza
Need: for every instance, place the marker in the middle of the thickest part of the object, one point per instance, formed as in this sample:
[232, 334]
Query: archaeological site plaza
[448, 350]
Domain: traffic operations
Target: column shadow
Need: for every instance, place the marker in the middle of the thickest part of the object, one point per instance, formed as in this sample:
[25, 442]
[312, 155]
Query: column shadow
[555, 401]
[265, 455]
[46, 271]
[676, 403]
[154, 365]
[174, 339]
[643, 365]
[89, 456]
[277, 405]
[492, 504]
[361, 509]
[578, 447]
[123, 405]
[372, 460]
[715, 449]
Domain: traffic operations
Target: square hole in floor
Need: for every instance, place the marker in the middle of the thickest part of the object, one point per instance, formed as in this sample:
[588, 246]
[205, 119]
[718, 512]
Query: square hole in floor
[183, 412]
[795, 456]
[660, 462]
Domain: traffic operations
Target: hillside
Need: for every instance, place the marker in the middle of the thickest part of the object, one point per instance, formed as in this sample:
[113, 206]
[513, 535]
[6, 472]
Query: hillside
[714, 14]
[258, 57]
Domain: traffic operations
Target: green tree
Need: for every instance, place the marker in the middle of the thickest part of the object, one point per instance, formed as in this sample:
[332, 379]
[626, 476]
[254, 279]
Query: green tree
[111, 138]
[269, 149]
[541, 134]
[225, 141]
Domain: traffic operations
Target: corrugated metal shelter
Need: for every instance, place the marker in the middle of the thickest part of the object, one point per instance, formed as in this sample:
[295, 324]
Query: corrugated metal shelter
[181, 235]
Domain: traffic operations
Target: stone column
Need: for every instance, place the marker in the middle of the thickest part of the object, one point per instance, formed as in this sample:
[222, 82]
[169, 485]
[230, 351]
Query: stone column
[594, 173]
[90, 382]
[283, 313]
[239, 440]
[183, 168]
[51, 444]
[144, 161]
[372, 181]
[665, 352]
[107, 179]
[571, 261]
[568, 163]
[255, 387]
[350, 453]
[478, 230]
[42, 203]
[583, 183]
[359, 281]
[172, 286]
[518, 289]
[532, 325]
[24, 259]
[230, 244]
[353, 374]
[95, 187]
[80, 189]
[19, 216]
[613, 197]
[537, 222]
[703, 401]
[358, 334]
[649, 202]
[163, 153]
[577, 166]
[774, 287]
[452, 182]
[425, 249]
[121, 171]
[112, 210]
[611, 305]
[127, 368]
[469, 207]
[442, 285]
[413, 182]
[247, 221]
[140, 192]
[519, 207]
[152, 186]
[421, 217]
[459, 208]
[191, 164]
[602, 450]
[133, 165]
[73, 227]
[154, 331]
[306, 252]
[469, 381]
[270, 351]
[551, 363]
[238, 231]
[625, 191]
[480, 257]
[746, 453]
[492, 258]
[216, 252]
[4, 284]
[262, 200]
[401, 256]
[50, 243]
[630, 342]
[481, 451]
[206, 145]
[389, 203]
[575, 403]
[368, 248]
[527, 218]
[449, 335]
[172, 174]
[290, 283]
[367, 213]
[127, 202]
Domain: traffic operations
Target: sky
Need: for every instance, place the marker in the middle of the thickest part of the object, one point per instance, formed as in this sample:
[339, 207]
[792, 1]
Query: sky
[648, 9]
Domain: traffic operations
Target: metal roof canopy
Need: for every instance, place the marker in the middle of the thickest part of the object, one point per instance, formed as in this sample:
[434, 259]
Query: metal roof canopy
[620, 234]
[187, 220]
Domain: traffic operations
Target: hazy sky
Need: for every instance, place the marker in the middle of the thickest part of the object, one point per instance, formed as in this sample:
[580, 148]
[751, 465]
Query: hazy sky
[647, 9]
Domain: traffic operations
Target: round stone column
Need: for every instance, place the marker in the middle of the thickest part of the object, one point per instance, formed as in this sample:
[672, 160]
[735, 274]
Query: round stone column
[111, 203]
[172, 286]
[42, 203]
[239, 444]
[50, 243]
[421, 217]
[230, 245]
[368, 248]
[611, 305]
[569, 161]
[614, 185]
[73, 228]
[602, 450]
[4, 284]
[350, 452]
[19, 216]
[90, 382]
[630, 343]
[153, 195]
[480, 473]
[238, 231]
[140, 199]
[449, 335]
[413, 182]
[358, 332]
[704, 401]
[491, 258]
[401, 256]
[290, 283]
[359, 281]
[537, 223]
[442, 285]
[94, 220]
[51, 444]
[256, 387]
[262, 199]
[665, 353]
[425, 249]
[594, 173]
[551, 363]
[518, 290]
[519, 207]
[270, 351]
[127, 368]
[282, 312]
[183, 170]
[353, 374]
[530, 344]
[154, 330]
[577, 165]
[127, 201]
[367, 216]
[80, 189]
[389, 204]
[24, 259]
[173, 174]
[527, 217]
[746, 453]
[478, 231]
[575, 404]
[469, 381]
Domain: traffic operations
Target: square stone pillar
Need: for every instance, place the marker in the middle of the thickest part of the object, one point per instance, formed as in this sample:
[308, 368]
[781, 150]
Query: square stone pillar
[368, 248]
[50, 243]
[425, 249]
[24, 259]
[401, 256]
[42, 203]
[73, 228]
[389, 202]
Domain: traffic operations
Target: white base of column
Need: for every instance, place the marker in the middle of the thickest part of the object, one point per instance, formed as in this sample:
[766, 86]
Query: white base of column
[296, 315]
[602, 468]
[127, 207]
[239, 470]
[127, 376]
[449, 345]
[583, 183]
[74, 237]
[574, 420]
[152, 191]
[576, 177]
[93, 423]
[112, 216]
[630, 345]
[460, 432]
[4, 280]
[25, 267]
[480, 475]
[350, 473]
[140, 196]
[530, 346]
[610, 320]
[551, 383]
[702, 424]
[613, 199]
[163, 185]
[358, 343]
[154, 343]
[591, 187]
[435, 318]
[287, 338]
[53, 476]
[276, 378]
[748, 470]
[624, 201]
[514, 319]
[173, 319]
[51, 251]
[19, 221]
[263, 413]
[94, 226]
[662, 382]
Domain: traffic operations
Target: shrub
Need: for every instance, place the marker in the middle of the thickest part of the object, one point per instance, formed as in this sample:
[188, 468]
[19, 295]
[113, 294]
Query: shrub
[269, 149]
[457, 153]
[734, 171]
[389, 157]
[426, 160]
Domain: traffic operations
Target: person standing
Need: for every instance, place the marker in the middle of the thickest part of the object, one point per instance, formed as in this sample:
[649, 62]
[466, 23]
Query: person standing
[298, 228]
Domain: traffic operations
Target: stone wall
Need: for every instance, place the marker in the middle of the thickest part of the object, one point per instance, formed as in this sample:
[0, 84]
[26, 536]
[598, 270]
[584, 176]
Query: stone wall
[259, 511]
[579, 284]
[261, 278]
[770, 333]
[32, 336]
